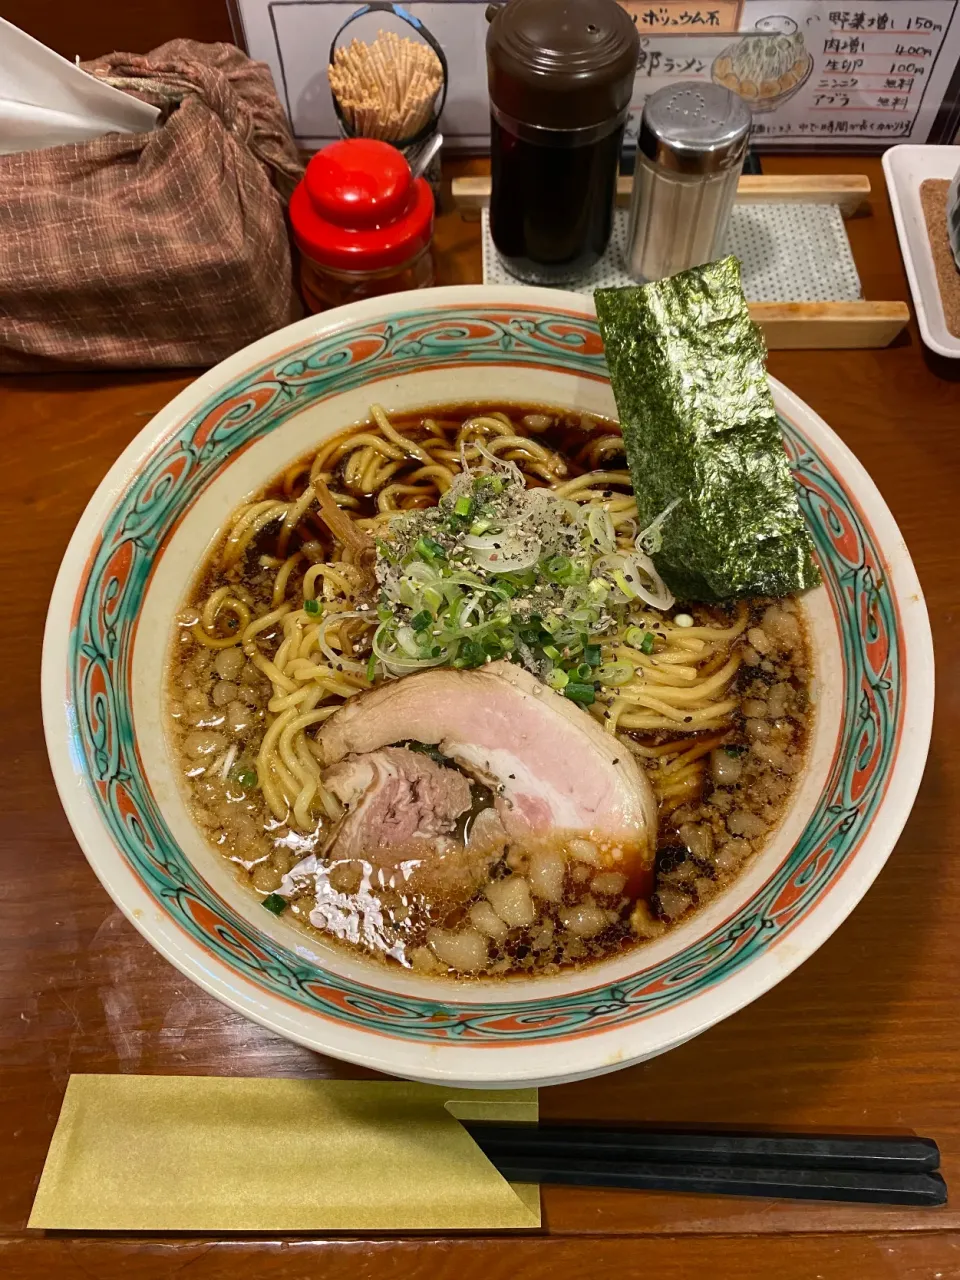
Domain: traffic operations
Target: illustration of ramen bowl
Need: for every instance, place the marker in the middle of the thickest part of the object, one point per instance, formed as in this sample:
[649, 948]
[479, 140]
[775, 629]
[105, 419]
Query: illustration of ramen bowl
[767, 66]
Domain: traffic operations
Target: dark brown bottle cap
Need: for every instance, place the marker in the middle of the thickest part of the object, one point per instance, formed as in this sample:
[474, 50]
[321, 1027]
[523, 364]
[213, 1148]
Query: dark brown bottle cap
[561, 64]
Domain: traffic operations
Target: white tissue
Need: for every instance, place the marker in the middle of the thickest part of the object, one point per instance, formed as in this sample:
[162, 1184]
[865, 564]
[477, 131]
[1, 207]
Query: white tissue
[46, 101]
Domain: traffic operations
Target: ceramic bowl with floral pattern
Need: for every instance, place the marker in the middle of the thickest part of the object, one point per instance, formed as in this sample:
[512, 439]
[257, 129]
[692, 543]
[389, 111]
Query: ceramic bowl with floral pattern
[129, 566]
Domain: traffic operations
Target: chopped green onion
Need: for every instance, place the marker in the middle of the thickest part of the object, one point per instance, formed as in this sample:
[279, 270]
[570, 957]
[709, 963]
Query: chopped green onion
[585, 694]
[276, 903]
[384, 613]
[591, 654]
[245, 778]
[552, 652]
[563, 571]
[556, 568]
[636, 638]
[371, 667]
[480, 526]
[507, 588]
[429, 549]
[624, 585]
[432, 598]
[422, 620]
[557, 678]
[463, 506]
[312, 606]
[471, 655]
[583, 672]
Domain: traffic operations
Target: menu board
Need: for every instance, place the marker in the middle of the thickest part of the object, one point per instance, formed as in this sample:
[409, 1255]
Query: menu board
[813, 73]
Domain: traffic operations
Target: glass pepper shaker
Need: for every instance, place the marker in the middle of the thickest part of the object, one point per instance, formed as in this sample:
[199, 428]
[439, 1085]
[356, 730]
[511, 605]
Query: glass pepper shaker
[690, 153]
[560, 75]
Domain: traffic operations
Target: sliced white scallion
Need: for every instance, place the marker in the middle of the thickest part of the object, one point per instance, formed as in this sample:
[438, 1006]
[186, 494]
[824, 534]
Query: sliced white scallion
[397, 663]
[654, 591]
[650, 540]
[338, 660]
[615, 673]
[504, 552]
[600, 528]
[407, 640]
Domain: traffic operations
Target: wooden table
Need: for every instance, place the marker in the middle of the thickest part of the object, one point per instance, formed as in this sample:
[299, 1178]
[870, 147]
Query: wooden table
[866, 1035]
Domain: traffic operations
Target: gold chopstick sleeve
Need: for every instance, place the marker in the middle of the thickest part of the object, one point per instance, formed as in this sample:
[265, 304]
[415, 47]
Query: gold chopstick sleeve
[184, 1153]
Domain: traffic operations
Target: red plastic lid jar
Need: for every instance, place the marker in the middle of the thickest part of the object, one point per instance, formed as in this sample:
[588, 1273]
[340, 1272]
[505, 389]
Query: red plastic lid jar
[359, 209]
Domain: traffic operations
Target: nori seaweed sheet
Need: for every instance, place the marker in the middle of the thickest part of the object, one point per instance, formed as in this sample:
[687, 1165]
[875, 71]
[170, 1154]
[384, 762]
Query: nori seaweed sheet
[687, 367]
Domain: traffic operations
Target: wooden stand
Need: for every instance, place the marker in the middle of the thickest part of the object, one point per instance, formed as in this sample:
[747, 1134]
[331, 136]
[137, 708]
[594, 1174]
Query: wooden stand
[786, 325]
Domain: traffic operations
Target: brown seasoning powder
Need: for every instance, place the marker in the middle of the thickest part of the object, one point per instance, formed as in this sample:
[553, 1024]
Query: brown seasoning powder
[933, 198]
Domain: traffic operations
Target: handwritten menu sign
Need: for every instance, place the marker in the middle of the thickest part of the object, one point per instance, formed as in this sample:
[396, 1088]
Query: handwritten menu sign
[676, 15]
[813, 72]
[878, 72]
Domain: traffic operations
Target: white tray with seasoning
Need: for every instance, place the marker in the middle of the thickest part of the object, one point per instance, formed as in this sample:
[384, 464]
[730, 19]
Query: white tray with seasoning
[905, 169]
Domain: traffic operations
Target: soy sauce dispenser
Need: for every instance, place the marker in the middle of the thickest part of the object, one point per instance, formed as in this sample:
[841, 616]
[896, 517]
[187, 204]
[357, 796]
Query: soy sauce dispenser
[560, 75]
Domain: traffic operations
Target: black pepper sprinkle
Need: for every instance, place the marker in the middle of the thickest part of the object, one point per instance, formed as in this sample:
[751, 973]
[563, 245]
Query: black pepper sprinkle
[687, 719]
[617, 760]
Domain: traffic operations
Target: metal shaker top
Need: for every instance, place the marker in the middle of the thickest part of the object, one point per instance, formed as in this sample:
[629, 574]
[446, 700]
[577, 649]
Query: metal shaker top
[561, 64]
[694, 128]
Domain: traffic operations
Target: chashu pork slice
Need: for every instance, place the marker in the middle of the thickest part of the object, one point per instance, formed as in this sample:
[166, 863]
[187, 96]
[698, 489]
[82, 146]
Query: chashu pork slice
[403, 812]
[395, 799]
[553, 769]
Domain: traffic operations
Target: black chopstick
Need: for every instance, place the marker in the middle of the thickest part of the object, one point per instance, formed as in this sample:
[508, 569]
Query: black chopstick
[880, 1170]
[862, 1186]
[894, 1154]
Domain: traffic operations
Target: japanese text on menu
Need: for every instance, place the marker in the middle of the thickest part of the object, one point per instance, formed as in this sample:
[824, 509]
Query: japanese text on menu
[809, 69]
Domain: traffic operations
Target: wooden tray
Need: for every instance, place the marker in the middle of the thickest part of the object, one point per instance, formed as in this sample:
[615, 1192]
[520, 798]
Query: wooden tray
[786, 325]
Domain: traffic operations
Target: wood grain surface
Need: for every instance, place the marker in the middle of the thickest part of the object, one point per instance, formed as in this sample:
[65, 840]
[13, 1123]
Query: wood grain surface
[865, 1036]
[131, 26]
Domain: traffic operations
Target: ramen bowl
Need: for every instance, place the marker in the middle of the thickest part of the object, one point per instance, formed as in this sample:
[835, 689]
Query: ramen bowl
[130, 564]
